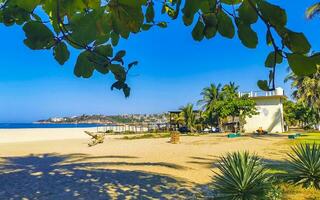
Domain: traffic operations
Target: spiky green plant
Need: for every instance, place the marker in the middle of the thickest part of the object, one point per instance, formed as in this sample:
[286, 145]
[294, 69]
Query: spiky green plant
[242, 177]
[304, 165]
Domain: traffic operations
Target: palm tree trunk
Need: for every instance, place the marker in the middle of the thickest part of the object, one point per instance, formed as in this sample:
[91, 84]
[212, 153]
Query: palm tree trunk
[220, 124]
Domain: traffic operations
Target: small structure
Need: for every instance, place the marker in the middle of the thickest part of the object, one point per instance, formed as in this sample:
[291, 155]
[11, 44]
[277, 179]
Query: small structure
[120, 128]
[173, 124]
[270, 108]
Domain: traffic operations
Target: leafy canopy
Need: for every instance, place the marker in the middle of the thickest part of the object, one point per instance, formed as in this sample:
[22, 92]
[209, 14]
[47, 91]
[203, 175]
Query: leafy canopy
[94, 28]
[220, 102]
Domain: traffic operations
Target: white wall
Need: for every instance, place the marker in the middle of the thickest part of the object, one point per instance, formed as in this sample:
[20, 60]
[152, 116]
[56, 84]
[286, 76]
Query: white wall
[270, 116]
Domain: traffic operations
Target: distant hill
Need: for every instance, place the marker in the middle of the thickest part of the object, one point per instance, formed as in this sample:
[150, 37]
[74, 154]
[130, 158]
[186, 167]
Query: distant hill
[104, 119]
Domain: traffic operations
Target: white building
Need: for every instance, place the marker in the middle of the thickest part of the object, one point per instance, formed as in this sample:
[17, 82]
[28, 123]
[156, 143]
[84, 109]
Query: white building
[270, 108]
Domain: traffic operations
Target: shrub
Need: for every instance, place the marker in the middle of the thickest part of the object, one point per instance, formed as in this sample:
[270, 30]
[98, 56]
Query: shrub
[242, 177]
[304, 165]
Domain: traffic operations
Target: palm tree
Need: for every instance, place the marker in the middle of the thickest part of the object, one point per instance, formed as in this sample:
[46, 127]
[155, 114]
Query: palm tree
[306, 90]
[209, 96]
[230, 90]
[313, 10]
[188, 116]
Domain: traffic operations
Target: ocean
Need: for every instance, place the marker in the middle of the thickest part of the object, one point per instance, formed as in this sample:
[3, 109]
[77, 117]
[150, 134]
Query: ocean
[34, 125]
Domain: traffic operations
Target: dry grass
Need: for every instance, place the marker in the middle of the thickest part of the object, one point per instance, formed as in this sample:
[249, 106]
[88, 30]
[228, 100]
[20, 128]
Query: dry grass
[291, 192]
[147, 136]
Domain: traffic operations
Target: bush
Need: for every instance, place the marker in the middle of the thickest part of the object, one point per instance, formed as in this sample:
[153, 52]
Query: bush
[304, 165]
[242, 177]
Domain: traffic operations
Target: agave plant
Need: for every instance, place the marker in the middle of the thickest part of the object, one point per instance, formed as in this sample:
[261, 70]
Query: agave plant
[304, 165]
[242, 177]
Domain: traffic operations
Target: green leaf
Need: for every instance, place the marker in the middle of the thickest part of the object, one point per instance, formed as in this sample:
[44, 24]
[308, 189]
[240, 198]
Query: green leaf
[146, 27]
[296, 42]
[136, 3]
[210, 31]
[263, 85]
[102, 68]
[28, 5]
[114, 39]
[272, 13]
[13, 15]
[316, 58]
[92, 3]
[231, 2]
[122, 85]
[150, 13]
[105, 50]
[210, 19]
[61, 53]
[38, 36]
[197, 32]
[247, 36]
[84, 68]
[211, 24]
[118, 57]
[84, 27]
[187, 20]
[246, 13]
[190, 8]
[118, 71]
[132, 64]
[126, 90]
[301, 65]
[225, 25]
[162, 24]
[270, 61]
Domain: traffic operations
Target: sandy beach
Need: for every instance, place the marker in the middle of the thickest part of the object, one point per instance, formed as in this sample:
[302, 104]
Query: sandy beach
[57, 163]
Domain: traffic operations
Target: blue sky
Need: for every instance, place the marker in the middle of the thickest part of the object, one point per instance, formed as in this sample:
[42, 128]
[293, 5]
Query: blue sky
[172, 71]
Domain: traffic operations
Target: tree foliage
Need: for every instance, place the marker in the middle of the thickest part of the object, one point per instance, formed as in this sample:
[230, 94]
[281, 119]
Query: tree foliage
[188, 117]
[95, 27]
[306, 91]
[298, 114]
[219, 104]
[209, 95]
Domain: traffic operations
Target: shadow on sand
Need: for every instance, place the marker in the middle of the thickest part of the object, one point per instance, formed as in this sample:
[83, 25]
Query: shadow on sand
[53, 176]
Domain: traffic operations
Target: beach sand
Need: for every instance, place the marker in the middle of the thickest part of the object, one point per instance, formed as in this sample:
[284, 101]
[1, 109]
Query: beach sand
[57, 163]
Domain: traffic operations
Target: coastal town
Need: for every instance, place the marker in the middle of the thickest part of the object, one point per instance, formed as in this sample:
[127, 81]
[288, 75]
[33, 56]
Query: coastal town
[108, 119]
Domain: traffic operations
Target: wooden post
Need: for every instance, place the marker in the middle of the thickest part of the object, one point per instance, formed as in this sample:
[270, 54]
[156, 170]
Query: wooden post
[175, 137]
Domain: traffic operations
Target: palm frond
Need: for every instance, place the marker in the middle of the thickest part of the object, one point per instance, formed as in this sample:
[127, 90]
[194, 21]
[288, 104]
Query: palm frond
[313, 10]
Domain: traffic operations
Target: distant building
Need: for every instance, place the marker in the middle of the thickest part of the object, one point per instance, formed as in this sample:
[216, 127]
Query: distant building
[270, 108]
[57, 119]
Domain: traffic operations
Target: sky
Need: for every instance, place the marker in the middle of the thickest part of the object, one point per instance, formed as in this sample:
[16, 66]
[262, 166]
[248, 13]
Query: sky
[172, 71]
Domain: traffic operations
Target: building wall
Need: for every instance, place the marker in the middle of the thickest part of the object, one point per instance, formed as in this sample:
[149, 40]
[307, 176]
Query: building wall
[270, 116]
